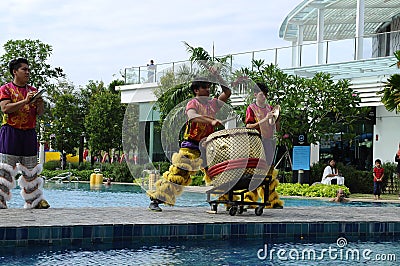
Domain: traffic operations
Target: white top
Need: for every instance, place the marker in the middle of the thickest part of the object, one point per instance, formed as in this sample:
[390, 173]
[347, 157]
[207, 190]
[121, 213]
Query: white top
[328, 170]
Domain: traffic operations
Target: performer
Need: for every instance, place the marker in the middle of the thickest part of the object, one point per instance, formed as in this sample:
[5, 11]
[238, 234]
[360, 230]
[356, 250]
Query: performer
[201, 112]
[259, 116]
[18, 140]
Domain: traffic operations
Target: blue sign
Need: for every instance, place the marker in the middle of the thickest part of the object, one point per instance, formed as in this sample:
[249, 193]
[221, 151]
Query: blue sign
[301, 158]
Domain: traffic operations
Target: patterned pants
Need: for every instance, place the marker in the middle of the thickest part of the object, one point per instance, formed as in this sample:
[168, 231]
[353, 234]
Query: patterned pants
[27, 169]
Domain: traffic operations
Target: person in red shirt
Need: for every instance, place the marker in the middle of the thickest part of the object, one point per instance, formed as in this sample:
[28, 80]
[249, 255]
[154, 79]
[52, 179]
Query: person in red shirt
[378, 177]
[18, 139]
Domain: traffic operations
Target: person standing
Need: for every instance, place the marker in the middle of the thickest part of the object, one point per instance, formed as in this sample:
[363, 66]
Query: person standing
[18, 138]
[260, 116]
[378, 174]
[201, 121]
[397, 159]
[151, 71]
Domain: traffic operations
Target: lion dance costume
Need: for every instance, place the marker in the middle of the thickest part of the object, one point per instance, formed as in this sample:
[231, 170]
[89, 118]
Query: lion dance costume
[18, 150]
[187, 161]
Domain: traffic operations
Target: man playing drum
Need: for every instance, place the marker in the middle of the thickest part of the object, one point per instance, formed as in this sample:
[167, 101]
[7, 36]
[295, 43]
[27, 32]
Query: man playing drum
[200, 112]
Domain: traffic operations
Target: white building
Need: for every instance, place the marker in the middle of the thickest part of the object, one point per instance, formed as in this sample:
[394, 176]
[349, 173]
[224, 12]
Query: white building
[350, 39]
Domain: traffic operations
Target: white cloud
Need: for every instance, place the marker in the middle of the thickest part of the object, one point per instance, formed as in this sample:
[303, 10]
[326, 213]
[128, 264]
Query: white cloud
[93, 39]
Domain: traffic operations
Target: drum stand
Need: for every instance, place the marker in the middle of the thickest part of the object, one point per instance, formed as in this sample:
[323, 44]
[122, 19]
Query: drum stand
[239, 189]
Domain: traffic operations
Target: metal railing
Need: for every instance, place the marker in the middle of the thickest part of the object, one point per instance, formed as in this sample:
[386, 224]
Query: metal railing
[334, 51]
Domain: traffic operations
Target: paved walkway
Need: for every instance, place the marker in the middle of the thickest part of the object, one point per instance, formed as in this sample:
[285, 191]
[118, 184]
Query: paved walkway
[185, 215]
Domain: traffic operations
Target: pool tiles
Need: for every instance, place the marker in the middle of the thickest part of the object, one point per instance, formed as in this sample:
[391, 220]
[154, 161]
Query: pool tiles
[273, 232]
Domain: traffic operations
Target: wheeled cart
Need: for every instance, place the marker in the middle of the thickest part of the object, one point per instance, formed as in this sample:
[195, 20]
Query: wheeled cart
[234, 197]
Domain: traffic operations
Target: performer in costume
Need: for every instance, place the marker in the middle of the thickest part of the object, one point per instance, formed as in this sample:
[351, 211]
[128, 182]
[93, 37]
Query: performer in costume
[259, 116]
[18, 139]
[201, 122]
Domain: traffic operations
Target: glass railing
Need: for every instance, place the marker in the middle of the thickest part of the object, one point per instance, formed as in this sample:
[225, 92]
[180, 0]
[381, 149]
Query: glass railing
[336, 51]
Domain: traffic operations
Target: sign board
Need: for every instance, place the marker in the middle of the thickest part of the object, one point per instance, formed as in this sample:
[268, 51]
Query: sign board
[301, 158]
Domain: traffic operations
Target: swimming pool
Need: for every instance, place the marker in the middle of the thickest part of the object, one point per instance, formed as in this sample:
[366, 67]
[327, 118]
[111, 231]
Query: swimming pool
[222, 252]
[79, 195]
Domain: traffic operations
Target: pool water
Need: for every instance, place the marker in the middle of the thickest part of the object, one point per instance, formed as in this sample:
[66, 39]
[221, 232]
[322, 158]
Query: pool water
[221, 252]
[79, 195]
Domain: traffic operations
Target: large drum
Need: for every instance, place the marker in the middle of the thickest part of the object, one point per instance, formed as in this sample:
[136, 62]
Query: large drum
[234, 154]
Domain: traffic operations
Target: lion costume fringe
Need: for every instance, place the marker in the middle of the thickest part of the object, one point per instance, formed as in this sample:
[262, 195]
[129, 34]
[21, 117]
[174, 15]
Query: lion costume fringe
[187, 162]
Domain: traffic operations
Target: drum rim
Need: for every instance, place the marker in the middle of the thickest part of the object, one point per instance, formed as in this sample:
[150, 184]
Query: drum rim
[247, 131]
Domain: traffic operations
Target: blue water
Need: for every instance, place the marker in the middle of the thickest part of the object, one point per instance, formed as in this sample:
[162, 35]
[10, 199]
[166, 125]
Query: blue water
[79, 195]
[201, 252]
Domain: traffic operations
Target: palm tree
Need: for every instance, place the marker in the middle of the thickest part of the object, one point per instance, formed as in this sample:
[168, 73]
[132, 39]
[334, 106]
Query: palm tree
[391, 91]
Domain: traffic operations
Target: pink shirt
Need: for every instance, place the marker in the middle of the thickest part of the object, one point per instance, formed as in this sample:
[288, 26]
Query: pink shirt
[24, 118]
[254, 114]
[197, 131]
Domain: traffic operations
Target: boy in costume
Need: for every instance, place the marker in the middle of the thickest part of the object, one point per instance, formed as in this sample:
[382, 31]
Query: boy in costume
[18, 139]
[200, 111]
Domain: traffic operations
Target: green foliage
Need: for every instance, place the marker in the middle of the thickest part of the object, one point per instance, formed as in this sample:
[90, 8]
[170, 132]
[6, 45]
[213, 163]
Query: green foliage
[52, 165]
[37, 53]
[197, 180]
[120, 173]
[356, 180]
[117, 172]
[391, 93]
[136, 170]
[104, 121]
[162, 166]
[317, 190]
[67, 125]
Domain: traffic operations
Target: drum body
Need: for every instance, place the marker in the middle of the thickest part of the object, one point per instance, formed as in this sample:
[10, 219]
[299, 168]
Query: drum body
[233, 154]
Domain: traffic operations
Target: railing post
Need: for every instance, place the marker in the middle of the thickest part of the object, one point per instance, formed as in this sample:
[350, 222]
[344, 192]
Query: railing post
[139, 76]
[276, 56]
[327, 52]
[252, 59]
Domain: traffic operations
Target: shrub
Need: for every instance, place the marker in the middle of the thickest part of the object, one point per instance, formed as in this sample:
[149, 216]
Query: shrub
[52, 165]
[318, 190]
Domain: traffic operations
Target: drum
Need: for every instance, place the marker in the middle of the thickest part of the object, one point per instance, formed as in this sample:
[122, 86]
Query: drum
[233, 154]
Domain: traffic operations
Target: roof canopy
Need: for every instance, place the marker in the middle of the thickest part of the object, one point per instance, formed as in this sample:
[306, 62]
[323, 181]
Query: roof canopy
[339, 18]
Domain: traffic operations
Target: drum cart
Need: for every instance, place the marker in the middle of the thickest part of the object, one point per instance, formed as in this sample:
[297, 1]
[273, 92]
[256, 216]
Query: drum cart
[239, 189]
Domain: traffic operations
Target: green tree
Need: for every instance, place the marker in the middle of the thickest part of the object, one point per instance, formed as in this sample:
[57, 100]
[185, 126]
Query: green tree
[315, 106]
[391, 91]
[42, 74]
[68, 123]
[104, 120]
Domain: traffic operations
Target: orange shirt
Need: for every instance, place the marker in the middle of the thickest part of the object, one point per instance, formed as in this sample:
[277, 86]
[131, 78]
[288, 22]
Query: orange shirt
[198, 131]
[24, 118]
[254, 114]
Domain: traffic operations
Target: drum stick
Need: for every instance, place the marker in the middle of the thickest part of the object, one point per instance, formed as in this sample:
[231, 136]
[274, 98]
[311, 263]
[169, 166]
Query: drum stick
[228, 119]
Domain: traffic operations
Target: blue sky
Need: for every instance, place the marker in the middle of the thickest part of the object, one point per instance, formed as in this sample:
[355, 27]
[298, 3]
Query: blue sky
[93, 40]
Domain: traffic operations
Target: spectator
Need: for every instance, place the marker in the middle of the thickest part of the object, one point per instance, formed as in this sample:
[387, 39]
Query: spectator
[151, 71]
[378, 174]
[331, 173]
[397, 159]
[340, 196]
